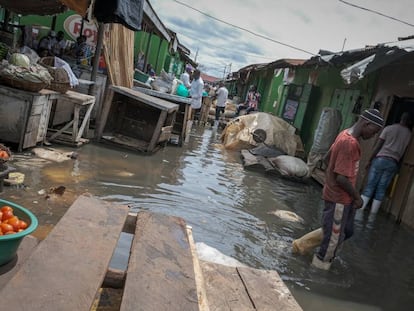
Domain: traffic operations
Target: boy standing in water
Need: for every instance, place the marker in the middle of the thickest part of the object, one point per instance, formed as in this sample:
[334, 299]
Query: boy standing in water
[339, 193]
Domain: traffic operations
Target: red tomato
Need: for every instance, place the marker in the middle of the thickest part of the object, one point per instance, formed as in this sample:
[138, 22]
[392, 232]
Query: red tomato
[6, 228]
[6, 208]
[1, 215]
[15, 222]
[22, 224]
[7, 214]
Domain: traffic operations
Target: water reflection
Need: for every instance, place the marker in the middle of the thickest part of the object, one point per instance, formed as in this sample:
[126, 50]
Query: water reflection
[233, 210]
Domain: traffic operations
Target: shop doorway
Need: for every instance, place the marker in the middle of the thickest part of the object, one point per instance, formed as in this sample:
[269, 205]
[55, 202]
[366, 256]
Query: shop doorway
[399, 106]
[403, 185]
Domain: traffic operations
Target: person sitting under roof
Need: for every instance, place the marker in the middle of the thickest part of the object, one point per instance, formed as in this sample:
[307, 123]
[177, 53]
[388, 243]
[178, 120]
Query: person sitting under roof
[46, 44]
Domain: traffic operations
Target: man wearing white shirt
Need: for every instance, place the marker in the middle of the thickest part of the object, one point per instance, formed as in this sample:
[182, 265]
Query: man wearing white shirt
[185, 76]
[196, 92]
[221, 95]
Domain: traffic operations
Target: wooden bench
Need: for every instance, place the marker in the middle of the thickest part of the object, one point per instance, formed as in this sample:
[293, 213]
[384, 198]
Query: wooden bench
[70, 267]
[73, 131]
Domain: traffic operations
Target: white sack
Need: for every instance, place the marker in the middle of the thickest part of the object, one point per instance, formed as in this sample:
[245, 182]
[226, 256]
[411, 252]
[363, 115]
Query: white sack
[291, 166]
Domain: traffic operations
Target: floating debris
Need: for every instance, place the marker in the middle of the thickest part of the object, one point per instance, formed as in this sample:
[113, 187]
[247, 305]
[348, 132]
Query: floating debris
[287, 215]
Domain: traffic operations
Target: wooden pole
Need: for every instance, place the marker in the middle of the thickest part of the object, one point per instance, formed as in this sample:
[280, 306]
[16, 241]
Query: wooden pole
[82, 25]
[53, 26]
[95, 64]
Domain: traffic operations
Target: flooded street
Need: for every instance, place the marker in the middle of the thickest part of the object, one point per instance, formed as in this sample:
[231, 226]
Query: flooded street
[233, 210]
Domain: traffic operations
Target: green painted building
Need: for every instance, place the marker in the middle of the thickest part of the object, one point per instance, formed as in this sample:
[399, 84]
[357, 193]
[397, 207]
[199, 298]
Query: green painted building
[298, 91]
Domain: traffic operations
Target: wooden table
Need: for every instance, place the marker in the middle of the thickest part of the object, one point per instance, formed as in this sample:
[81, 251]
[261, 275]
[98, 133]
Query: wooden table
[74, 136]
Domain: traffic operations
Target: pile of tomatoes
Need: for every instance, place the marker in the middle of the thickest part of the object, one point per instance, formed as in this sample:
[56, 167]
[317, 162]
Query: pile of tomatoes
[9, 223]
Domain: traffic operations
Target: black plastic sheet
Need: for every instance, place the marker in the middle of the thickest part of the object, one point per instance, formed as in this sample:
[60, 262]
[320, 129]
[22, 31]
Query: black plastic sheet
[126, 12]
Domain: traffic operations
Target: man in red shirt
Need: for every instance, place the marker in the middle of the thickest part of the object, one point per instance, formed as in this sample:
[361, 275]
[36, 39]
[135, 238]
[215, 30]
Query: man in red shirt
[339, 193]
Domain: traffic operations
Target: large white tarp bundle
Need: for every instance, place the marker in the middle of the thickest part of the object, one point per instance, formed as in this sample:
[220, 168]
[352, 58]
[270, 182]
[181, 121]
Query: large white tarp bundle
[238, 133]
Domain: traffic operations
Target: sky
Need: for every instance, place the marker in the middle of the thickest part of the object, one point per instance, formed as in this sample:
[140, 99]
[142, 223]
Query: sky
[245, 32]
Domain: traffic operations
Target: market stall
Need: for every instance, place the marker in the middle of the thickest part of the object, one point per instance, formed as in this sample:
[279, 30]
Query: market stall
[117, 52]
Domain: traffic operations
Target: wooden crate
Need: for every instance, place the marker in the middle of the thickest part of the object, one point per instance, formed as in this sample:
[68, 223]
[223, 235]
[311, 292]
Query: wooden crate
[24, 116]
[138, 121]
[183, 112]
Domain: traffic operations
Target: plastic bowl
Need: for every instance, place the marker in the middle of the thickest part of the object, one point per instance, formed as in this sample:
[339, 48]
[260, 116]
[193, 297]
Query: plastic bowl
[10, 243]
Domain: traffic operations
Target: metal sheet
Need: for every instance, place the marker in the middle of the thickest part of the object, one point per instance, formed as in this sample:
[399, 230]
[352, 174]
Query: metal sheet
[166, 96]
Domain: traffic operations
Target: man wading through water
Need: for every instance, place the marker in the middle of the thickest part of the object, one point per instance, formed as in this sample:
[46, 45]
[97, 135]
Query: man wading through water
[339, 193]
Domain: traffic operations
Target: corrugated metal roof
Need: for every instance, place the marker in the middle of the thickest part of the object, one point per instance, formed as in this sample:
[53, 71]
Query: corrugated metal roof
[280, 63]
[383, 57]
[341, 58]
[287, 62]
[36, 7]
[207, 78]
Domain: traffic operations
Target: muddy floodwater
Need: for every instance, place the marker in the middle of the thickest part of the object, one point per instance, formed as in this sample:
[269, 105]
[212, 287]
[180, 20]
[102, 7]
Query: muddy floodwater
[235, 211]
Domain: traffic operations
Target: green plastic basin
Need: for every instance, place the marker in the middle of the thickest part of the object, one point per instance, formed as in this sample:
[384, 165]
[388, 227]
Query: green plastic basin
[10, 243]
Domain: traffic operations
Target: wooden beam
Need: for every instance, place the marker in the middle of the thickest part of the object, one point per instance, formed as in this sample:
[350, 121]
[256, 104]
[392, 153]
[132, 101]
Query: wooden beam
[67, 268]
[106, 107]
[160, 269]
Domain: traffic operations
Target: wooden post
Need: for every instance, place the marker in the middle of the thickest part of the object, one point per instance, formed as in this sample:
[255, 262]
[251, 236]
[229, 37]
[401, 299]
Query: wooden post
[95, 64]
[101, 120]
[53, 26]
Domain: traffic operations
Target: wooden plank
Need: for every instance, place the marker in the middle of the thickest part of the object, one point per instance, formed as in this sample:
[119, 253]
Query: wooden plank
[75, 126]
[85, 122]
[31, 131]
[170, 97]
[160, 272]
[165, 133]
[78, 98]
[147, 99]
[224, 288]
[68, 125]
[67, 141]
[243, 288]
[44, 121]
[267, 290]
[127, 142]
[66, 269]
[8, 270]
[157, 131]
[201, 288]
[103, 117]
